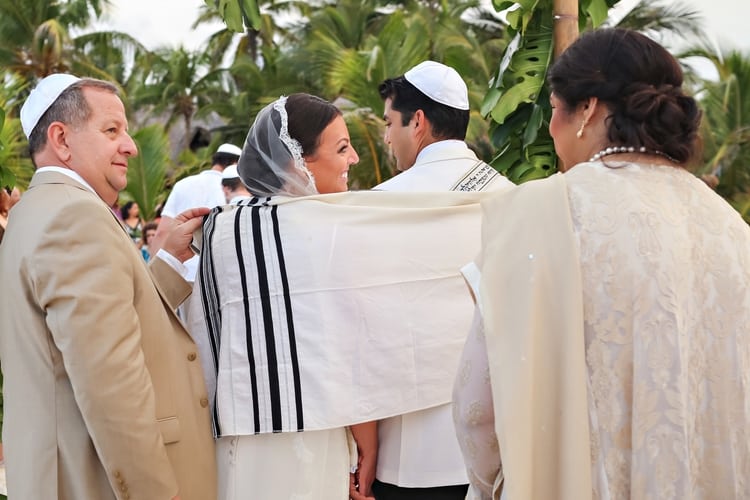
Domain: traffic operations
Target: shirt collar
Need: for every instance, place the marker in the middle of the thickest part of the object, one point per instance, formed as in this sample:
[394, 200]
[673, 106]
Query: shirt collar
[438, 146]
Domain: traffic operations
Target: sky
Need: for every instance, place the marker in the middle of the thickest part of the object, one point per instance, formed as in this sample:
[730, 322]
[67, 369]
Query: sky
[168, 22]
[157, 23]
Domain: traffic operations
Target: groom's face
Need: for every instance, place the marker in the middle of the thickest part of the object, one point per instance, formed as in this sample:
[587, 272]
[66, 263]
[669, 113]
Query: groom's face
[401, 138]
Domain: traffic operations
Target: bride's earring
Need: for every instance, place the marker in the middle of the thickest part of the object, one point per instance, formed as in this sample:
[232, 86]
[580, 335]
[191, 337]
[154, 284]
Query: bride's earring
[579, 134]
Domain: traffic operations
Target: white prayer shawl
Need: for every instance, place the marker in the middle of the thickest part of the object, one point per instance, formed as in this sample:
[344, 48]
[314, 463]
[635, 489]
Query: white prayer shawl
[330, 310]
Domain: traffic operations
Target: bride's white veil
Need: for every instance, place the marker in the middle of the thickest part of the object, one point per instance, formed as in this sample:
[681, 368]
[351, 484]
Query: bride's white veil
[271, 162]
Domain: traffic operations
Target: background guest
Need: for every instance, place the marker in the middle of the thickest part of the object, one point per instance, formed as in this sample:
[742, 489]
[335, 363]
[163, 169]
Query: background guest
[131, 219]
[149, 230]
[200, 190]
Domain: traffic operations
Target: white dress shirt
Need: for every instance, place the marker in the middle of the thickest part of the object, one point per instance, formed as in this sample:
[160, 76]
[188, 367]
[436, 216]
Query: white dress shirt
[200, 190]
[420, 449]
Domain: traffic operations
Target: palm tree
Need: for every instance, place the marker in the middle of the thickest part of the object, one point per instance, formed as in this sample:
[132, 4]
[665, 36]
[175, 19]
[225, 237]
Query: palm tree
[111, 54]
[15, 166]
[661, 20]
[343, 50]
[171, 83]
[725, 129]
[257, 42]
[7, 179]
[34, 42]
[34, 36]
[147, 171]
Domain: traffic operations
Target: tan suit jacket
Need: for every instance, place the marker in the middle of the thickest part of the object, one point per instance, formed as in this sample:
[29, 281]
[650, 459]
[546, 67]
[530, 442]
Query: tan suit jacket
[104, 394]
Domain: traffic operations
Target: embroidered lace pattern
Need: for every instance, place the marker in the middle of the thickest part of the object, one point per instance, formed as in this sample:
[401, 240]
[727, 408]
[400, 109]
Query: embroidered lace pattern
[474, 416]
[292, 144]
[667, 331]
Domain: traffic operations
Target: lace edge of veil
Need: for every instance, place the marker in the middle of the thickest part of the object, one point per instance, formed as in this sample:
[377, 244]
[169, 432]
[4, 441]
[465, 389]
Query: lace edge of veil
[292, 144]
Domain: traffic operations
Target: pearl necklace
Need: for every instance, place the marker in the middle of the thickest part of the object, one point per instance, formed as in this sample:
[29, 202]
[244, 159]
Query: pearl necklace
[614, 150]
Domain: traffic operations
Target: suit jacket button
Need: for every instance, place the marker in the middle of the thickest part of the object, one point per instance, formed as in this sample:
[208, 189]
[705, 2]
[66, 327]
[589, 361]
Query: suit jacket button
[192, 356]
[204, 402]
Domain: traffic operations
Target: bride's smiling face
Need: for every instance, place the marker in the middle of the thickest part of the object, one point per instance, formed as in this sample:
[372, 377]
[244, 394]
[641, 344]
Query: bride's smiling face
[331, 161]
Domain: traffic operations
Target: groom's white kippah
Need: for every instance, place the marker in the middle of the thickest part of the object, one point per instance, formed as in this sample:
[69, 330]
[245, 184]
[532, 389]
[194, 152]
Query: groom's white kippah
[42, 97]
[440, 83]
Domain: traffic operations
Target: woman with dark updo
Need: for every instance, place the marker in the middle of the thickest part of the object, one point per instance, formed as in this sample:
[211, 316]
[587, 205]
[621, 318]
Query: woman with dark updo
[613, 314]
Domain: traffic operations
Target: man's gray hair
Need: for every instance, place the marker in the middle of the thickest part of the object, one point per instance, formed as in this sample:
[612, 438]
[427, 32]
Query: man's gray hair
[69, 108]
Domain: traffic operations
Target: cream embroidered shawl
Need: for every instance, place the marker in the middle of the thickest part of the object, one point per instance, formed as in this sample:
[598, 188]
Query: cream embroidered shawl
[646, 394]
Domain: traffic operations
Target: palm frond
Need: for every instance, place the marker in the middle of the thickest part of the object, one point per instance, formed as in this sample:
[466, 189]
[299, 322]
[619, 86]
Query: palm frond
[147, 171]
[657, 18]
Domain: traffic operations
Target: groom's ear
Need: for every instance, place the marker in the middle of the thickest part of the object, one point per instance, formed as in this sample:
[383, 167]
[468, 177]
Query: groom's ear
[422, 126]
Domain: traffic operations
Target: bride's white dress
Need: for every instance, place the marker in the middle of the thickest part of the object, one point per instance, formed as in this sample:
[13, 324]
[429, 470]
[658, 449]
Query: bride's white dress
[310, 465]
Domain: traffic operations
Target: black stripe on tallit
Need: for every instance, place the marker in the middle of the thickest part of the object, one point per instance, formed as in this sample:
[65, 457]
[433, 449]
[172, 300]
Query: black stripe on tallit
[265, 300]
[246, 308]
[210, 302]
[289, 319]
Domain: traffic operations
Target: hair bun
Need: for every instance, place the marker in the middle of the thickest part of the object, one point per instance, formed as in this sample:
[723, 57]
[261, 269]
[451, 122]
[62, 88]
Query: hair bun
[657, 117]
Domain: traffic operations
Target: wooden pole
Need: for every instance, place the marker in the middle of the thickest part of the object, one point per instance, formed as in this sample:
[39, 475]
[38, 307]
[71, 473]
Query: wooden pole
[566, 24]
[565, 32]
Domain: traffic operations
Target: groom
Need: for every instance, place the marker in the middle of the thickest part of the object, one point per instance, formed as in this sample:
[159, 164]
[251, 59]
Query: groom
[426, 116]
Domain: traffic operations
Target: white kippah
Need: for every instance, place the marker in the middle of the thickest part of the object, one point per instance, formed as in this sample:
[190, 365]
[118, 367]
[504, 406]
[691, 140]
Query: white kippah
[42, 97]
[230, 172]
[440, 83]
[229, 149]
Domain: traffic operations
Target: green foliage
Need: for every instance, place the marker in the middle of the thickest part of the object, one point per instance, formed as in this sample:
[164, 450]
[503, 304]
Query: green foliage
[517, 101]
[348, 48]
[340, 50]
[725, 128]
[656, 18]
[237, 13]
[147, 171]
[366, 133]
[519, 105]
[15, 166]
[7, 179]
[35, 36]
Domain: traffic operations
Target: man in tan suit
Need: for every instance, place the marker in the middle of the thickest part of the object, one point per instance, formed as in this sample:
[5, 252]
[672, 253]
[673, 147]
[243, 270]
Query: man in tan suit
[104, 395]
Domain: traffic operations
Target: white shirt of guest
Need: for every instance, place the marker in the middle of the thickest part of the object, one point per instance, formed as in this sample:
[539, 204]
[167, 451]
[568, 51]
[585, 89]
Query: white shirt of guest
[420, 449]
[200, 190]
